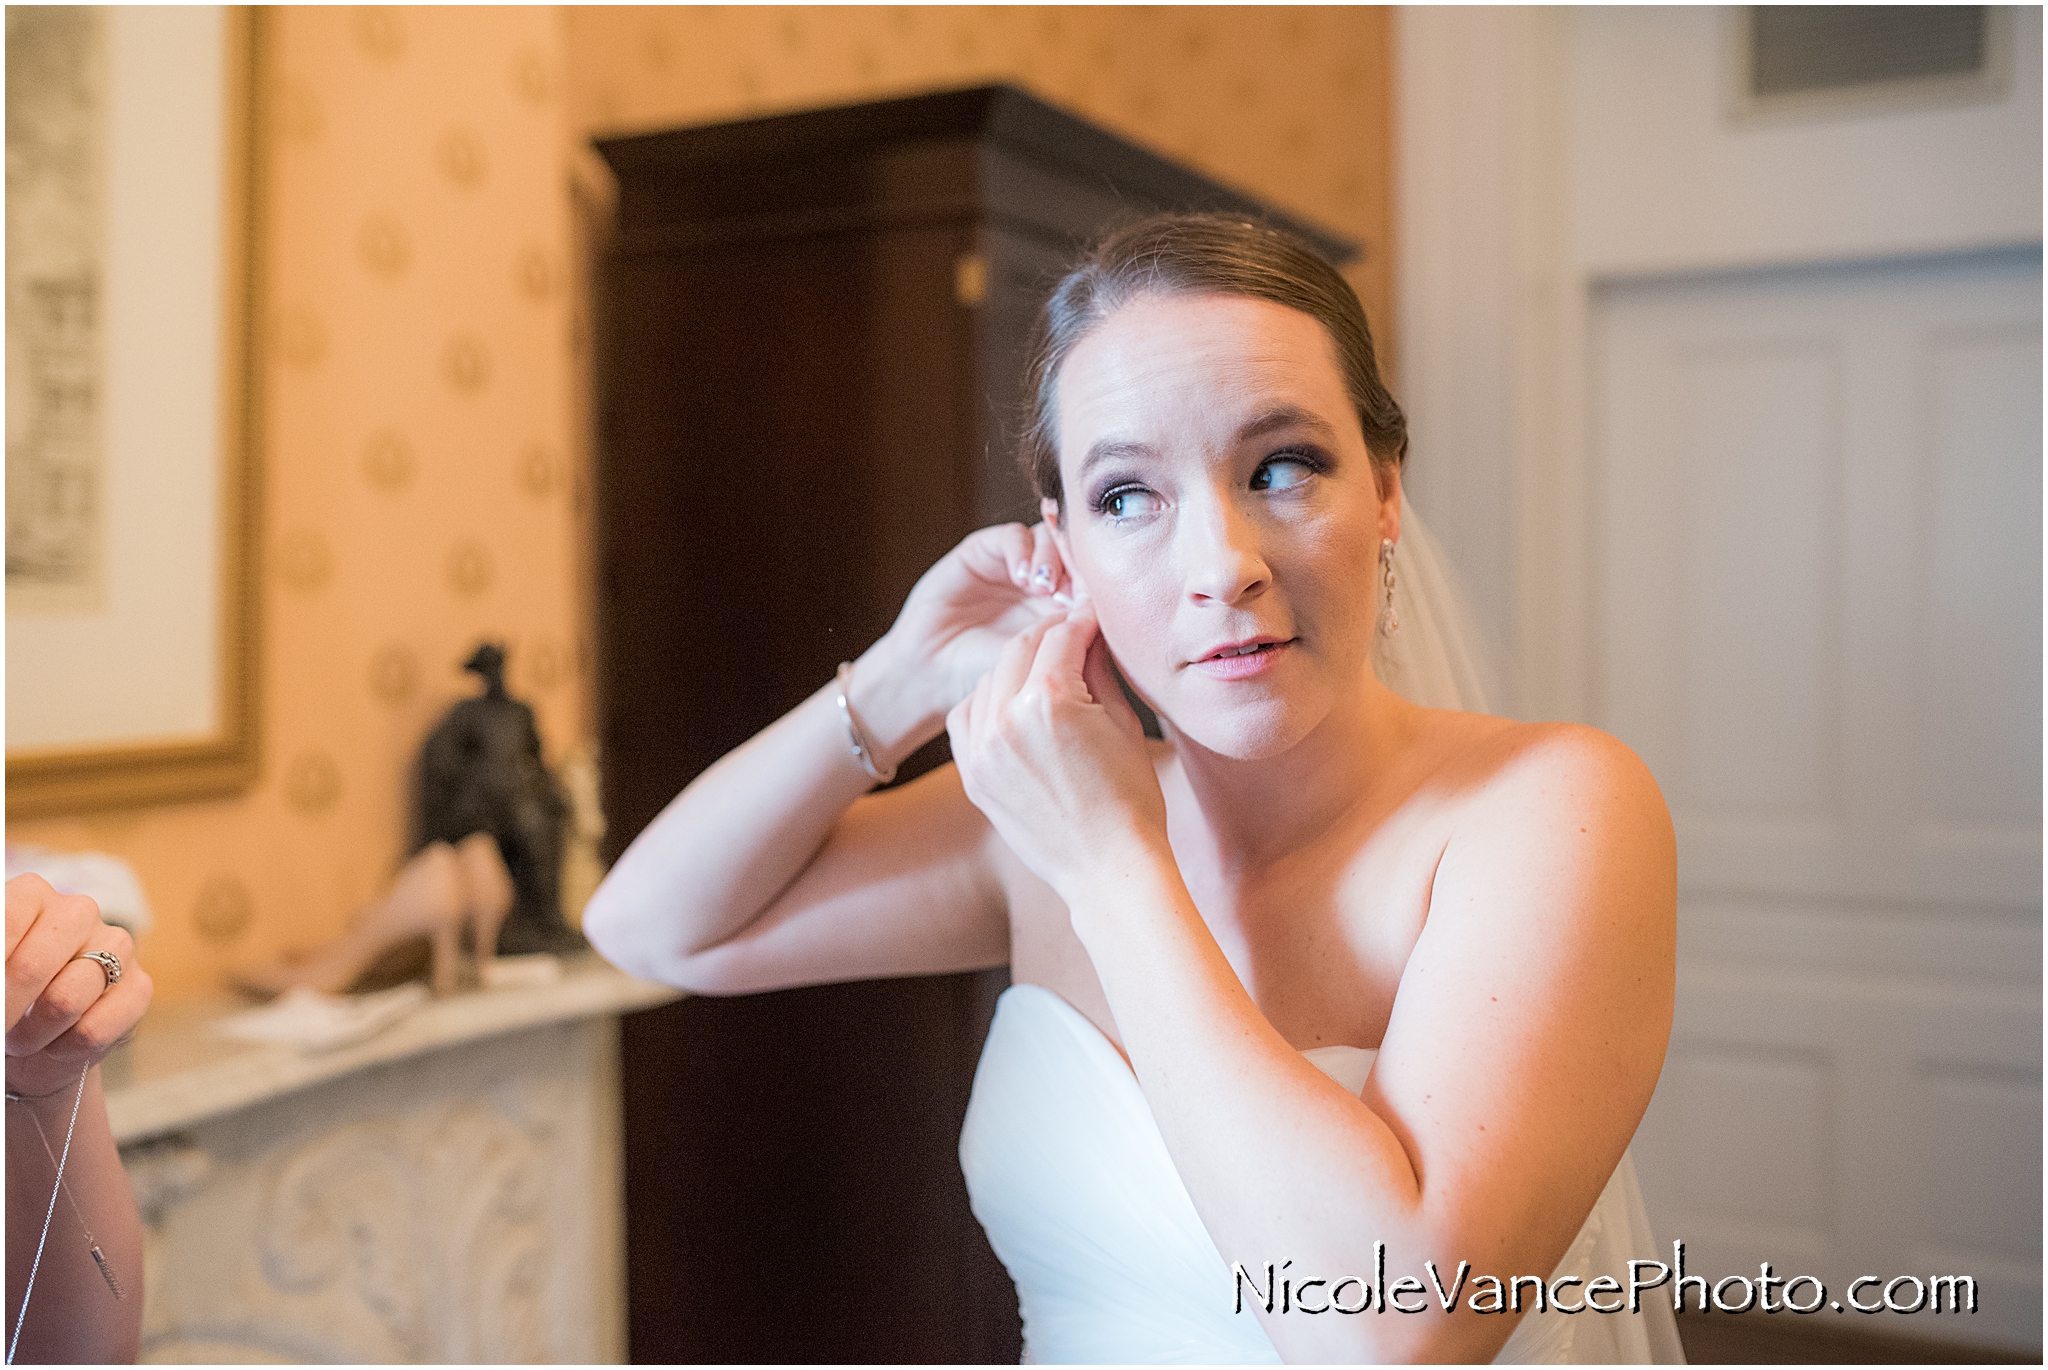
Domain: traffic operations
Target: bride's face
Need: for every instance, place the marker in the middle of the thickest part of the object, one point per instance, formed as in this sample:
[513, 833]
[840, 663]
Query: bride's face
[1223, 511]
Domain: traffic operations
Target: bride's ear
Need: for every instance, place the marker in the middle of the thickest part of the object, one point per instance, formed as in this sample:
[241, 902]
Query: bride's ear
[1387, 480]
[1049, 511]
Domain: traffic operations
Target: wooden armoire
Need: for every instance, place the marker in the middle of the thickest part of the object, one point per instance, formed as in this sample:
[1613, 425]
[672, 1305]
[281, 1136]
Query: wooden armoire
[811, 334]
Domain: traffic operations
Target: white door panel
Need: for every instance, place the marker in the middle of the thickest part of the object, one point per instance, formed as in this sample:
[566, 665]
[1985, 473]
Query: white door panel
[1977, 706]
[1818, 617]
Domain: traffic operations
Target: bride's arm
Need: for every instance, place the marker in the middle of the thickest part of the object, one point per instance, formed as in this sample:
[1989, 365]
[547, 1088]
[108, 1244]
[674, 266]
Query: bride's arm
[771, 870]
[64, 1014]
[1524, 1043]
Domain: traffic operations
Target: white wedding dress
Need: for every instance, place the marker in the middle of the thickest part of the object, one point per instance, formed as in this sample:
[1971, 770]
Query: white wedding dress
[1072, 1181]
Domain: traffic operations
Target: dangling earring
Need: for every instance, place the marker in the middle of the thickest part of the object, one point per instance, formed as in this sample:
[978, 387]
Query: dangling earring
[1390, 622]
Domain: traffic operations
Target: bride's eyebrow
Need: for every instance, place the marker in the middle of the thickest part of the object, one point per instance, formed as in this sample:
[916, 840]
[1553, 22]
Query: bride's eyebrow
[1287, 416]
[1109, 449]
[1267, 421]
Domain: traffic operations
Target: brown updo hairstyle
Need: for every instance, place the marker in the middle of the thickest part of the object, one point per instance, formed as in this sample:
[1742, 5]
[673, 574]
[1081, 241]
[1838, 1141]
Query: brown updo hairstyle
[1201, 254]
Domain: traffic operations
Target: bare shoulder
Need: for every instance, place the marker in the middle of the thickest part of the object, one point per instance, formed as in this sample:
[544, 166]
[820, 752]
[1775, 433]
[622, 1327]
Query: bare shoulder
[1563, 807]
[1531, 1021]
[1498, 767]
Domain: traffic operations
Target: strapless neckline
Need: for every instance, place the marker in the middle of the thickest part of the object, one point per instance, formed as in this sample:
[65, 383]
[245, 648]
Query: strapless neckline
[1347, 1065]
[1068, 1173]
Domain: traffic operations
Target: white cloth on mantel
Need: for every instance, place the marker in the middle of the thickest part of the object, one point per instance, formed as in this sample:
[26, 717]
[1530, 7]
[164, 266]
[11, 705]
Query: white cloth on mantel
[312, 1021]
[107, 880]
[1073, 1183]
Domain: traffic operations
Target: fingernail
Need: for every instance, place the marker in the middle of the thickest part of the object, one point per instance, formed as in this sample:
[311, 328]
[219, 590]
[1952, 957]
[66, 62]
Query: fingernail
[1020, 571]
[1042, 576]
[1063, 599]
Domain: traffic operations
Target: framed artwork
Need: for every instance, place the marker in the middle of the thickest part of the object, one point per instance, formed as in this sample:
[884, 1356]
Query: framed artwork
[132, 405]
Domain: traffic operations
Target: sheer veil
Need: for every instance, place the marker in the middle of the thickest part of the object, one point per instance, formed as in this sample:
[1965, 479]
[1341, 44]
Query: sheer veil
[1434, 659]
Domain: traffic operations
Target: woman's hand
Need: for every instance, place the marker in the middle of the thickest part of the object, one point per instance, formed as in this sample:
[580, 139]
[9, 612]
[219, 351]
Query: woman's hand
[1051, 752]
[62, 1015]
[978, 596]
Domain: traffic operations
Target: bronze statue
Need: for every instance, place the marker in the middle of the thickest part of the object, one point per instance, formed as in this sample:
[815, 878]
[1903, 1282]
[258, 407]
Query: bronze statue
[480, 770]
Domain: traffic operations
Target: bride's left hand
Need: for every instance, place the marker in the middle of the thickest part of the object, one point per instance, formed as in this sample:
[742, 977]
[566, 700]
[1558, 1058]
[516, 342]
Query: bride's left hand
[63, 1012]
[1051, 752]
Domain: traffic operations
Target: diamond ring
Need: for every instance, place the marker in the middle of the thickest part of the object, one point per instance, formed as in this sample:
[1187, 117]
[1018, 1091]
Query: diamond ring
[109, 964]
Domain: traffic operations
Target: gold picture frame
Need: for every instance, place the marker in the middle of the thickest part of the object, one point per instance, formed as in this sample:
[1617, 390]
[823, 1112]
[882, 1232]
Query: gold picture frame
[86, 775]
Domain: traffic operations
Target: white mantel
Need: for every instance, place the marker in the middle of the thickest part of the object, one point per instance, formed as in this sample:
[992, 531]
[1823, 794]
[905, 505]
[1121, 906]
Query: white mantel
[447, 1191]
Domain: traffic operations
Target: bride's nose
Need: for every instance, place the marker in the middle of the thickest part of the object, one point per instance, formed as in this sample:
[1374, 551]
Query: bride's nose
[1221, 554]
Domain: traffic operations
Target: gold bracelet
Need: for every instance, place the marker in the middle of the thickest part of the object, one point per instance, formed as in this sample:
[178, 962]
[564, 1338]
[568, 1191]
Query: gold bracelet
[857, 736]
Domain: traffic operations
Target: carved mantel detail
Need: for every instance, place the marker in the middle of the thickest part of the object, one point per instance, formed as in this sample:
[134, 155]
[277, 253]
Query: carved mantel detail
[457, 1207]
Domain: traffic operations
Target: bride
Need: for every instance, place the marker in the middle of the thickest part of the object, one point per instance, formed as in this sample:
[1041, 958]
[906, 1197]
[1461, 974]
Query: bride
[1328, 1008]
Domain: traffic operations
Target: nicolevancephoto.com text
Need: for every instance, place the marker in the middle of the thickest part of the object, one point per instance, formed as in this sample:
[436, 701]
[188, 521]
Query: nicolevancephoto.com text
[1279, 1292]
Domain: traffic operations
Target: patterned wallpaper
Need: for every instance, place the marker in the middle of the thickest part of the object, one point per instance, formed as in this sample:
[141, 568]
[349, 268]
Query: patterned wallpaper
[1290, 103]
[419, 476]
[423, 472]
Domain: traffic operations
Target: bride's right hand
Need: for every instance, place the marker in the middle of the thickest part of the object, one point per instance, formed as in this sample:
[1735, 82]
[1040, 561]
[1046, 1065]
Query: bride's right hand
[973, 600]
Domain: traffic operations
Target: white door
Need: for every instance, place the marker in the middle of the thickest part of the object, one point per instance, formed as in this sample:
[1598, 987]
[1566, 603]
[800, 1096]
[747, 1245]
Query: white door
[1818, 619]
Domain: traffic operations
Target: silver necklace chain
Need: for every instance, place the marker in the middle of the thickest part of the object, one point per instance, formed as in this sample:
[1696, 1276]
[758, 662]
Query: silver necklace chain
[92, 1243]
[22, 1316]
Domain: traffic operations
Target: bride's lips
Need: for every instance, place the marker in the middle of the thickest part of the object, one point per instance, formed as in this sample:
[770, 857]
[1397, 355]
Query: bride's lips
[1242, 660]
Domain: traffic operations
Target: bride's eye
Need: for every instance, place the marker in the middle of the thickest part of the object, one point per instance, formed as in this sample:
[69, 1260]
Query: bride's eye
[1126, 501]
[1282, 473]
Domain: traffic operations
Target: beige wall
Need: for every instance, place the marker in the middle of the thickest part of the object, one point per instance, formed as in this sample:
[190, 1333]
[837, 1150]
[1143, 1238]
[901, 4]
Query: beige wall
[1290, 103]
[415, 457]
[421, 471]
